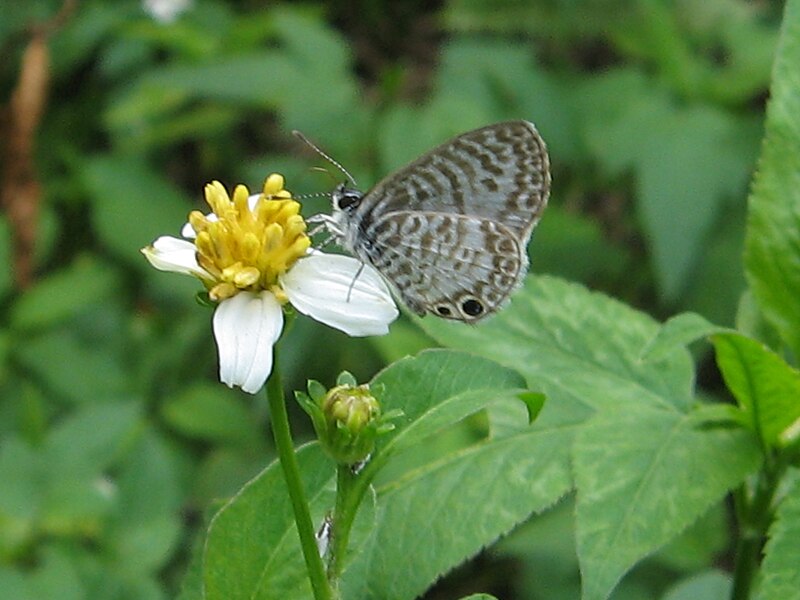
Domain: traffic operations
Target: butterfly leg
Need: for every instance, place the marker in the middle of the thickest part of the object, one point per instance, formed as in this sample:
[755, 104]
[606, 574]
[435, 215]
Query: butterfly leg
[325, 223]
[355, 278]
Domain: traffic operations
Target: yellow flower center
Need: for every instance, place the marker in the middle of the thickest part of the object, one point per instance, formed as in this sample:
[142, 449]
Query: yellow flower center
[244, 249]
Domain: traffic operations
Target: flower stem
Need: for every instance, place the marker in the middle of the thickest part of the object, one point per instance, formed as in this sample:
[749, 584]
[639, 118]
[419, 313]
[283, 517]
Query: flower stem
[291, 471]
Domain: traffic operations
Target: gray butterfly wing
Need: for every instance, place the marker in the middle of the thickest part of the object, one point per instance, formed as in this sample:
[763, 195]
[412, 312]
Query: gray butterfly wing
[499, 172]
[454, 266]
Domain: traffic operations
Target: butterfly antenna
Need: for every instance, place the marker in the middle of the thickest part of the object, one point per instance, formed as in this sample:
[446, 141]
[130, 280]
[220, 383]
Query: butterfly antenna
[312, 195]
[308, 142]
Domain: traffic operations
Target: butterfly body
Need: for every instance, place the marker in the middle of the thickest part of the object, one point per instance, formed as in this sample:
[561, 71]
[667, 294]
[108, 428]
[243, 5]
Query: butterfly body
[450, 230]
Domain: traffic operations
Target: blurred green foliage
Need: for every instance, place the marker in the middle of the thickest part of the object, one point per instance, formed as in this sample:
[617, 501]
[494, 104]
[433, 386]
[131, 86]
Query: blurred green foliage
[115, 438]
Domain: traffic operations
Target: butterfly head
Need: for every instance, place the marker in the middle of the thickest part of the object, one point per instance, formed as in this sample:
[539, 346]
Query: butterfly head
[345, 198]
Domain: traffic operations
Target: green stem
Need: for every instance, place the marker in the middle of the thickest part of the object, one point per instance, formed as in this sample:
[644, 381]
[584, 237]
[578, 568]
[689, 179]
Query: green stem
[754, 516]
[291, 471]
[350, 491]
[343, 516]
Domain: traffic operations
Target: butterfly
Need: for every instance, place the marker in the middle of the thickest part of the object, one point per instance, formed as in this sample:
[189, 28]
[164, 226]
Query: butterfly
[450, 230]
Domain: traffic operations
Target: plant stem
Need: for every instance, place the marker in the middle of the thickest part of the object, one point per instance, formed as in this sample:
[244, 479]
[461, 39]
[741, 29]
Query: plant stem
[343, 516]
[291, 471]
[755, 516]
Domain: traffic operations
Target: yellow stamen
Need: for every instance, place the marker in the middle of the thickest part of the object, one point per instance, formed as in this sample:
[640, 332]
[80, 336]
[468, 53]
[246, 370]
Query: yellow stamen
[246, 249]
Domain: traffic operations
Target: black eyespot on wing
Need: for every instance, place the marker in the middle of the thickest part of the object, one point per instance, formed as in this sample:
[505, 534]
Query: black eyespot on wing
[444, 311]
[472, 307]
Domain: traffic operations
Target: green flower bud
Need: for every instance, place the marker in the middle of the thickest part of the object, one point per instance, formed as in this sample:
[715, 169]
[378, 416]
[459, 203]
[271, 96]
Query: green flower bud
[347, 418]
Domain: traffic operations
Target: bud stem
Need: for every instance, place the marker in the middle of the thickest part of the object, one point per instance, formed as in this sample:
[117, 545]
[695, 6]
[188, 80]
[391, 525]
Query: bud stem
[343, 516]
[291, 472]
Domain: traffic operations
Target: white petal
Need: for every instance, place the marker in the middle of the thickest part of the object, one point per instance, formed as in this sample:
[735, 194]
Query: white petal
[246, 328]
[188, 231]
[175, 255]
[329, 288]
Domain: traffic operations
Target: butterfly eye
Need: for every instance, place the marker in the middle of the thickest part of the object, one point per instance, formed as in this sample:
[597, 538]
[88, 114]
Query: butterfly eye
[347, 198]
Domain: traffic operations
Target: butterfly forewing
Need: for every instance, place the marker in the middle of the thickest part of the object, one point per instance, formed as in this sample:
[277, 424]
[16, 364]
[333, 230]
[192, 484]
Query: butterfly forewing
[500, 172]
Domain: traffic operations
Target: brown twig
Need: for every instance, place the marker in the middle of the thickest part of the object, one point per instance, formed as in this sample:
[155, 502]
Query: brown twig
[20, 190]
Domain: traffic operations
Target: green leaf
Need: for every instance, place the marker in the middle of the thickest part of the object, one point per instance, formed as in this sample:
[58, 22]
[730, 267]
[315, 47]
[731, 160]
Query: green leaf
[767, 389]
[132, 204]
[772, 251]
[210, 412]
[680, 330]
[75, 456]
[592, 257]
[440, 513]
[21, 471]
[15, 585]
[145, 527]
[57, 576]
[701, 544]
[61, 359]
[252, 550]
[636, 472]
[92, 437]
[438, 388]
[709, 585]
[580, 348]
[710, 158]
[780, 577]
[85, 283]
[435, 389]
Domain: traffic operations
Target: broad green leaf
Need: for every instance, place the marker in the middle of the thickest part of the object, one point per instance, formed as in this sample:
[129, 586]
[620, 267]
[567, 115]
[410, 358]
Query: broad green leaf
[772, 252]
[700, 544]
[710, 585]
[207, 411]
[132, 204]
[434, 390]
[680, 330]
[544, 549]
[92, 437]
[61, 359]
[750, 321]
[16, 585]
[592, 257]
[479, 597]
[63, 294]
[21, 471]
[767, 389]
[76, 455]
[252, 550]
[710, 157]
[580, 348]
[714, 287]
[780, 577]
[57, 576]
[636, 471]
[443, 512]
[438, 388]
[145, 526]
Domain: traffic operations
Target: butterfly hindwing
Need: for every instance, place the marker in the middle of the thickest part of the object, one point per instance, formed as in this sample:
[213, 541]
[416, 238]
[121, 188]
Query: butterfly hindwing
[454, 266]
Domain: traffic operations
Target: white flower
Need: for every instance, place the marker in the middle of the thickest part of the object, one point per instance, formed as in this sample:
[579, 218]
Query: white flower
[253, 256]
[165, 11]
